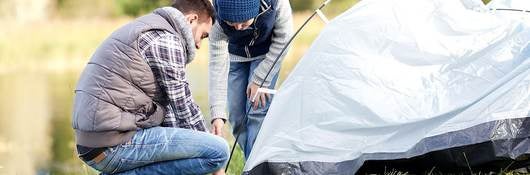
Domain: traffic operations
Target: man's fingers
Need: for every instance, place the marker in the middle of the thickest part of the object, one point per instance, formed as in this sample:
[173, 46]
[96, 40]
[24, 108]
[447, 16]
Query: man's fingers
[217, 127]
[214, 130]
[263, 100]
[248, 92]
[218, 131]
[257, 101]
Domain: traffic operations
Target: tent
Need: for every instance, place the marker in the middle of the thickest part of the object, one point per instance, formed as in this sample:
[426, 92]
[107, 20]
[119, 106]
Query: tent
[442, 82]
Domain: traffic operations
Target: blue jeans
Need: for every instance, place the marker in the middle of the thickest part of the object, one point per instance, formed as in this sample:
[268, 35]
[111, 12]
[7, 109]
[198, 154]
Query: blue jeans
[239, 76]
[163, 150]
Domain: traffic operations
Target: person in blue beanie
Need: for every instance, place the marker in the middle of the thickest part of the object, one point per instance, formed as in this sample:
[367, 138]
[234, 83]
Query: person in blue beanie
[244, 42]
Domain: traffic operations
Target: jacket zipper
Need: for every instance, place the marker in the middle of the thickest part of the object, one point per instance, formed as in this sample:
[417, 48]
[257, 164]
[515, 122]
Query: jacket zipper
[247, 52]
[256, 30]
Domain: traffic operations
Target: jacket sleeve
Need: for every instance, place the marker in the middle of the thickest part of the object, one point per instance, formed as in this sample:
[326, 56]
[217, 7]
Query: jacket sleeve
[282, 32]
[218, 66]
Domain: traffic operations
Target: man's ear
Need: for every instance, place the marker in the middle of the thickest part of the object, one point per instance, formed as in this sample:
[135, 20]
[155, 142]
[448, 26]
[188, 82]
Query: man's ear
[192, 17]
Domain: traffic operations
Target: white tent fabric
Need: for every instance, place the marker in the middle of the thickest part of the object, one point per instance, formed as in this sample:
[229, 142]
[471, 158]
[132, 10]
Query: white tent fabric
[387, 74]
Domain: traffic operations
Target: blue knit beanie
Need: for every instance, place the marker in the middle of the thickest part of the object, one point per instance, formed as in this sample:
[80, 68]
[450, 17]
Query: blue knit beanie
[237, 10]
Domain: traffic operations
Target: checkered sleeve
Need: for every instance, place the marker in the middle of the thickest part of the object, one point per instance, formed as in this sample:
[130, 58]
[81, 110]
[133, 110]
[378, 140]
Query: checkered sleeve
[166, 56]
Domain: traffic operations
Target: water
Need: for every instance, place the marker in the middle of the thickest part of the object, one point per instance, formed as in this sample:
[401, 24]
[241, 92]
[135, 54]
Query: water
[34, 112]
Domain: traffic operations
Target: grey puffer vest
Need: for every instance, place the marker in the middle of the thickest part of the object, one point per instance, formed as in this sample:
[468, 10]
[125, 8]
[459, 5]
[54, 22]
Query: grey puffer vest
[117, 92]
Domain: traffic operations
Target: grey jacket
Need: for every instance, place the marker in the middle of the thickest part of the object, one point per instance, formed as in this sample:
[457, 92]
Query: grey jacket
[117, 92]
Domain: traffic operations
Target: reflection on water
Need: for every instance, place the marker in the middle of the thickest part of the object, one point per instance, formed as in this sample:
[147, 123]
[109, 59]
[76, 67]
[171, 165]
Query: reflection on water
[25, 122]
[35, 110]
[61, 87]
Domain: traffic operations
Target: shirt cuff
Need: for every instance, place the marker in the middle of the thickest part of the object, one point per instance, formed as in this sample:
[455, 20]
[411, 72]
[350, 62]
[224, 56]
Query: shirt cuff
[258, 80]
[218, 113]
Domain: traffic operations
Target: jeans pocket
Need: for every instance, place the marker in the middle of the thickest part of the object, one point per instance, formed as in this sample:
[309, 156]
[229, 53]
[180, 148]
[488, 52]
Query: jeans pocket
[109, 162]
[125, 165]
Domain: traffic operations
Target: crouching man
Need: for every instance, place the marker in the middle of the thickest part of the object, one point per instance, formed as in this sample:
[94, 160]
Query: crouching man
[133, 110]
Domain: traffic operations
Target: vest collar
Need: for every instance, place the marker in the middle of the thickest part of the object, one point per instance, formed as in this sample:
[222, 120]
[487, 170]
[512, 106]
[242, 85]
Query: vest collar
[177, 20]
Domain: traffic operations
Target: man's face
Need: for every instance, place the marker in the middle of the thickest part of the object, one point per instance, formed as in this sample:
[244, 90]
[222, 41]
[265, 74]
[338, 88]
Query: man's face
[241, 25]
[200, 29]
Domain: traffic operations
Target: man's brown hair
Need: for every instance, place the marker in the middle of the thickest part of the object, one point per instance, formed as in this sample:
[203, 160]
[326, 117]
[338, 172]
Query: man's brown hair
[203, 8]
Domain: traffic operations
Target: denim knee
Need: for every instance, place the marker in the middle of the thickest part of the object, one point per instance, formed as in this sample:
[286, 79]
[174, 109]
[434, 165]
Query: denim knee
[220, 158]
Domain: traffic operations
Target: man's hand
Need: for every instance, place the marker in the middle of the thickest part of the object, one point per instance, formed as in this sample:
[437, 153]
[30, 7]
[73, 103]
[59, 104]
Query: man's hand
[219, 172]
[261, 99]
[217, 127]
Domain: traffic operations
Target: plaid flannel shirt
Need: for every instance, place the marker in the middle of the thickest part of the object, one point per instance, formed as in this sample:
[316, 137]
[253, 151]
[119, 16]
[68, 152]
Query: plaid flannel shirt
[166, 55]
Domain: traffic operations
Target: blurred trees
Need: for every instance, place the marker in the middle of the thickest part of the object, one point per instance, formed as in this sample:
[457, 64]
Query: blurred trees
[38, 9]
[303, 5]
[84, 8]
[24, 10]
[139, 7]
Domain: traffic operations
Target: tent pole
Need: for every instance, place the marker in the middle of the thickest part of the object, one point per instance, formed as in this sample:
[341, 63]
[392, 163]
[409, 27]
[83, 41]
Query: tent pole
[515, 10]
[240, 127]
